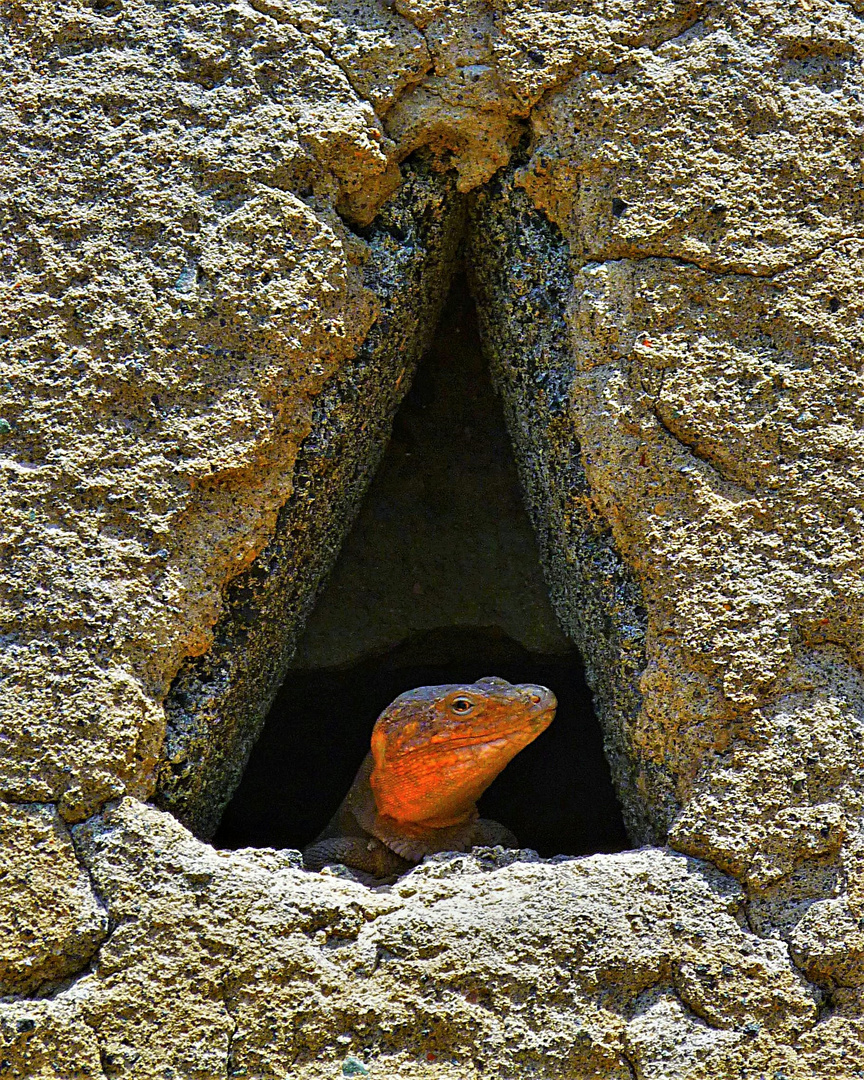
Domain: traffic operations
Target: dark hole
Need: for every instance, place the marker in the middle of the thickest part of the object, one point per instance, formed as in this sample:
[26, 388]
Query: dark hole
[556, 795]
[833, 304]
[438, 582]
[618, 207]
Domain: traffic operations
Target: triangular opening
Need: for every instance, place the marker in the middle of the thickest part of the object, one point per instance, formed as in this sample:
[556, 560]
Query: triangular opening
[439, 581]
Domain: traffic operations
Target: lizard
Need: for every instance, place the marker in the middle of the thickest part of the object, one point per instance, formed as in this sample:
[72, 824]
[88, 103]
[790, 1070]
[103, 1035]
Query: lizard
[434, 751]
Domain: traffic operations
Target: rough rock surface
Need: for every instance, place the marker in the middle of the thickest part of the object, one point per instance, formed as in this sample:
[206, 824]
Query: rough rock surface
[51, 921]
[468, 967]
[167, 282]
[714, 388]
[522, 300]
[185, 188]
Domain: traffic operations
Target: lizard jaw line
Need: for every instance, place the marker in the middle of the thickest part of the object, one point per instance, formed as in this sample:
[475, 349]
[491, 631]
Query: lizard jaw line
[496, 740]
[461, 744]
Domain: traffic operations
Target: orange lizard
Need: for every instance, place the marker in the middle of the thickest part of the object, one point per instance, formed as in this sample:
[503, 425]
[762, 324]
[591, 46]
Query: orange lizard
[434, 752]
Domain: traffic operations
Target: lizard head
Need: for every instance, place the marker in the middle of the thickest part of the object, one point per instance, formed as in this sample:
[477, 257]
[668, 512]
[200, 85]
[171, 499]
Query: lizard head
[437, 748]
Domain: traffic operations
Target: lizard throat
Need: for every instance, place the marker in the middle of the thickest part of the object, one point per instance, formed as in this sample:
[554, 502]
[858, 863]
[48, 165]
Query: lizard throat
[437, 786]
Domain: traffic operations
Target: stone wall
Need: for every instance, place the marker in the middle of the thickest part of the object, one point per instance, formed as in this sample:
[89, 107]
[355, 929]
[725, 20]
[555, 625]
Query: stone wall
[666, 246]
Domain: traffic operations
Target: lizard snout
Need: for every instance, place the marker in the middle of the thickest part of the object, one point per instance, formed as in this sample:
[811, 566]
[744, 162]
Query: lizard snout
[541, 697]
[542, 704]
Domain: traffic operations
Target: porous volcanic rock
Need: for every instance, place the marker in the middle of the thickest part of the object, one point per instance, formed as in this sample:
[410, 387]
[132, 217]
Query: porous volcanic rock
[491, 963]
[179, 290]
[522, 275]
[51, 921]
[706, 361]
[219, 701]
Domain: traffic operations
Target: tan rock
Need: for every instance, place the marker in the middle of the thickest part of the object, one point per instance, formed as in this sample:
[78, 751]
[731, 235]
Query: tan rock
[467, 966]
[41, 1040]
[732, 145]
[711, 382]
[677, 341]
[165, 286]
[51, 921]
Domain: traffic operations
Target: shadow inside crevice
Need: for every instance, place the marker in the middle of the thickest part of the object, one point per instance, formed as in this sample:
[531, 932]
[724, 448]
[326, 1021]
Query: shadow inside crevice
[439, 581]
[556, 795]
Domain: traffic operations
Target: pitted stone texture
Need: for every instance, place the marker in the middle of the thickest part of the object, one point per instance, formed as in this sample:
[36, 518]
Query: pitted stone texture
[718, 419]
[461, 110]
[523, 279]
[231, 961]
[379, 53]
[492, 62]
[51, 921]
[709, 195]
[718, 416]
[734, 145]
[174, 307]
[47, 1039]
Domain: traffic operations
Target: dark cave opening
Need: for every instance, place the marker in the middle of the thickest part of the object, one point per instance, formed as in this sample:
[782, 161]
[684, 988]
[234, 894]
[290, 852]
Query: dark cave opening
[439, 581]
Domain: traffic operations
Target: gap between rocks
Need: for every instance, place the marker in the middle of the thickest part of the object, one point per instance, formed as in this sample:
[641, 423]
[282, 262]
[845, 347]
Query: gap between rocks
[439, 581]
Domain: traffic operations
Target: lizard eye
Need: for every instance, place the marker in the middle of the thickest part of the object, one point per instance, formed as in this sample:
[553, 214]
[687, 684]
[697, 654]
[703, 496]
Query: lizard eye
[461, 704]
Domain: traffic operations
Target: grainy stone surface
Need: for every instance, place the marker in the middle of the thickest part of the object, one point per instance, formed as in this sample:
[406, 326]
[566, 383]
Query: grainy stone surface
[44, 1039]
[51, 921]
[522, 274]
[468, 967]
[711, 378]
[167, 283]
[185, 192]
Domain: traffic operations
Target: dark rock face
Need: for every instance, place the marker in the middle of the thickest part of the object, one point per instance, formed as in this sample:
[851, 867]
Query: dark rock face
[521, 273]
[218, 701]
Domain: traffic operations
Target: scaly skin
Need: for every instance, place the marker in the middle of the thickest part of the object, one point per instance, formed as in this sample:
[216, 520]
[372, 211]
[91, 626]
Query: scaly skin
[434, 752]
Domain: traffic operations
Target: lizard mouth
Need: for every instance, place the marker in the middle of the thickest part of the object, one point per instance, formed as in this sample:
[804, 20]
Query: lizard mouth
[499, 739]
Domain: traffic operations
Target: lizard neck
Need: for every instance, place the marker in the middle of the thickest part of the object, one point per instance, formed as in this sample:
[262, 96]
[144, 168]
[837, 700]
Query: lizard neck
[411, 839]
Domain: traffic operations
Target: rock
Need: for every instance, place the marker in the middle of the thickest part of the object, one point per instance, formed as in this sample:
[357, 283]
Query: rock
[521, 272]
[686, 388]
[470, 963]
[187, 270]
[174, 264]
[41, 1040]
[219, 701]
[51, 920]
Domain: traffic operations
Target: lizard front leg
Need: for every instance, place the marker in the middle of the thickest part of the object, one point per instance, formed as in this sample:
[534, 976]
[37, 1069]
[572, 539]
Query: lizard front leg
[488, 833]
[363, 853]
